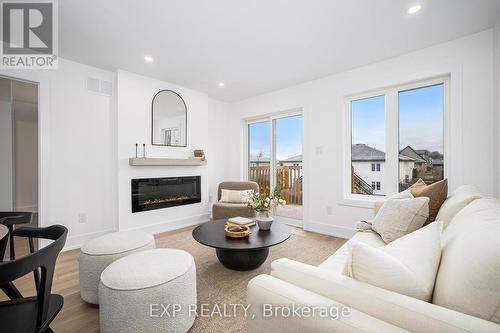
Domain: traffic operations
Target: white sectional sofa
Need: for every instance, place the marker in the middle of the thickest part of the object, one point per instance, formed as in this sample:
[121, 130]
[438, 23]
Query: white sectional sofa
[466, 295]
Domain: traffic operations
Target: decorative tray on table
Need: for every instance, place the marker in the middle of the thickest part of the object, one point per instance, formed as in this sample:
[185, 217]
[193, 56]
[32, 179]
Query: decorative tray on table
[237, 231]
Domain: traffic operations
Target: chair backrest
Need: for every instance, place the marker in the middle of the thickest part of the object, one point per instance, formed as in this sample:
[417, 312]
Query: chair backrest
[44, 258]
[10, 218]
[238, 186]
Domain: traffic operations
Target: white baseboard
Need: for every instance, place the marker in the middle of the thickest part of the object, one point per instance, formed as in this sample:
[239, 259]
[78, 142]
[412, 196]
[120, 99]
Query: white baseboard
[171, 225]
[75, 242]
[32, 209]
[329, 229]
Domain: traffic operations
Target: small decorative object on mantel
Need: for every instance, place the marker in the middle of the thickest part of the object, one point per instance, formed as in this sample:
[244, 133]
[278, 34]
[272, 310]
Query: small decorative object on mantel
[199, 153]
[262, 203]
[237, 231]
[143, 150]
[136, 150]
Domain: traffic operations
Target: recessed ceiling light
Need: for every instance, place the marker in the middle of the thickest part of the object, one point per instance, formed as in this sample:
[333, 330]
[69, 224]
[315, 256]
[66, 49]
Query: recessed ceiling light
[148, 59]
[221, 84]
[414, 9]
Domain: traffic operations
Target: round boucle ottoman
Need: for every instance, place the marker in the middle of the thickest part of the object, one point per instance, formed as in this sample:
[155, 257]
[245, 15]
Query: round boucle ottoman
[97, 254]
[150, 291]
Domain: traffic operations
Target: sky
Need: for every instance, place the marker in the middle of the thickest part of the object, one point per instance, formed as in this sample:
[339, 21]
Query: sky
[288, 138]
[420, 119]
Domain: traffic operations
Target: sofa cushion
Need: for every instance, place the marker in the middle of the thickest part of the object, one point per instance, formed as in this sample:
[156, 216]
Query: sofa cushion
[456, 201]
[337, 261]
[399, 217]
[436, 192]
[407, 266]
[468, 279]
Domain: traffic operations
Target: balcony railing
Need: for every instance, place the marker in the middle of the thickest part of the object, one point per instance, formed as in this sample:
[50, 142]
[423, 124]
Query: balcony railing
[289, 176]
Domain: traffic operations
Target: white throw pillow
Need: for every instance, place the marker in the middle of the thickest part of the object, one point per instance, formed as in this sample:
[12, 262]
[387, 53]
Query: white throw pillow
[407, 266]
[456, 201]
[399, 217]
[232, 196]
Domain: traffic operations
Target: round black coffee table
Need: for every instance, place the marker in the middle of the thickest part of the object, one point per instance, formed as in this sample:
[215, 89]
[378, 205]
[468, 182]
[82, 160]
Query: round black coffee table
[241, 254]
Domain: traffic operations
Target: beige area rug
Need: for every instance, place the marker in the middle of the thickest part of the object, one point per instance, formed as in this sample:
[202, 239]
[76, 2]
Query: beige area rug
[219, 285]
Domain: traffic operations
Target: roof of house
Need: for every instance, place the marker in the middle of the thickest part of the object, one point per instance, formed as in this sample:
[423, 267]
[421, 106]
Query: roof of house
[362, 152]
[413, 154]
[296, 158]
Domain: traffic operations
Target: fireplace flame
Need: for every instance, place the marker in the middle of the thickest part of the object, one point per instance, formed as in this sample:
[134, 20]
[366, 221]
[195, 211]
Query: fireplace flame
[163, 200]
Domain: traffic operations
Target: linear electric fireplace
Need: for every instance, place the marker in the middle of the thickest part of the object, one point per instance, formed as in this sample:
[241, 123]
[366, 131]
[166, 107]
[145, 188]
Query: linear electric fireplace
[157, 193]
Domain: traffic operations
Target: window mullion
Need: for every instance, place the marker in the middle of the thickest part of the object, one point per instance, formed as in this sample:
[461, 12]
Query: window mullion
[392, 144]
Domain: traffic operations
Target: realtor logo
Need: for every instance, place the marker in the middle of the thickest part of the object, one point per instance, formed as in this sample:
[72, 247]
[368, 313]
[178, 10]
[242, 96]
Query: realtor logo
[29, 35]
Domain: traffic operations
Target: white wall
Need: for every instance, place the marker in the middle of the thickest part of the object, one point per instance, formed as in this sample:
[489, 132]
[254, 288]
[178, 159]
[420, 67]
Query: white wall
[469, 60]
[6, 162]
[134, 96]
[496, 60]
[76, 150]
[223, 144]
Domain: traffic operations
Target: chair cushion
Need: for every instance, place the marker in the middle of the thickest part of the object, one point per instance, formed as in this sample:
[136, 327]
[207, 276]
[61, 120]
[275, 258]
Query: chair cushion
[117, 242]
[337, 261]
[456, 201]
[221, 210]
[407, 266]
[235, 196]
[146, 269]
[436, 192]
[468, 279]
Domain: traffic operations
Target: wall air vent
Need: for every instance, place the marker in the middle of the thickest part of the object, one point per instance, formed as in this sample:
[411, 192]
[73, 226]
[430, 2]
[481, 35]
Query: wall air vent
[99, 86]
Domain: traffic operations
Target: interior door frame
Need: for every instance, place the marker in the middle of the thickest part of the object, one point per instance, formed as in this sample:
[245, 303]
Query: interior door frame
[43, 118]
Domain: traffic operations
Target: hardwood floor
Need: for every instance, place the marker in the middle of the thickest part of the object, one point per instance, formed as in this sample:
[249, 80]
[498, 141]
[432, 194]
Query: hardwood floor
[78, 316]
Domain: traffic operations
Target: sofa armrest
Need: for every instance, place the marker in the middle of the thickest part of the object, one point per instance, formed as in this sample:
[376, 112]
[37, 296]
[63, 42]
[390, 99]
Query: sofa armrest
[406, 312]
[267, 295]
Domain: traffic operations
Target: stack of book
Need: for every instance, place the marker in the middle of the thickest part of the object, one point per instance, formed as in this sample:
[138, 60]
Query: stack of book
[238, 221]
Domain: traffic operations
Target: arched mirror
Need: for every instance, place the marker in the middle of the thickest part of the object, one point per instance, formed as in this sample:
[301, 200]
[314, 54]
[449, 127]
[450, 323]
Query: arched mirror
[169, 124]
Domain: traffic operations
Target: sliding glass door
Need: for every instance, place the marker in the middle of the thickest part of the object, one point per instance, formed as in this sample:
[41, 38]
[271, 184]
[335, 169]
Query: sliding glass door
[275, 159]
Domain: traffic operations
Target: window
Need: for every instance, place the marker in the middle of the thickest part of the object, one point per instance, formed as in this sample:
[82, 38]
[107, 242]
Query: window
[421, 144]
[397, 134]
[274, 147]
[367, 142]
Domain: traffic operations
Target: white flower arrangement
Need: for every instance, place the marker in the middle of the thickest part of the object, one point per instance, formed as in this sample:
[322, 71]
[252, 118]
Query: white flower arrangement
[265, 201]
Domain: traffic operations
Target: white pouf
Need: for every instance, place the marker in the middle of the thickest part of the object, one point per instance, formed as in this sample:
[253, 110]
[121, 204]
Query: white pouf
[97, 254]
[135, 290]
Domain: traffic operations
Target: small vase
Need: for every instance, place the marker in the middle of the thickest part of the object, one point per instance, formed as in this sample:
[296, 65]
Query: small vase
[264, 220]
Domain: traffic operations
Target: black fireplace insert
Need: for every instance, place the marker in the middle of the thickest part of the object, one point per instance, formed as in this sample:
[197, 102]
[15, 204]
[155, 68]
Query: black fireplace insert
[157, 193]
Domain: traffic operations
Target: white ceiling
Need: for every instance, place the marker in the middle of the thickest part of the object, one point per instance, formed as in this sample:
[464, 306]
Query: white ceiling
[257, 46]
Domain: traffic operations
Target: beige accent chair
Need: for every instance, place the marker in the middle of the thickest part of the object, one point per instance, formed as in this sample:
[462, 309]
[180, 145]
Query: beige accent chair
[466, 295]
[224, 210]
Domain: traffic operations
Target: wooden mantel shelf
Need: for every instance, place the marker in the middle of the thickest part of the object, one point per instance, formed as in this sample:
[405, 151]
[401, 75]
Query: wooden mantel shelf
[146, 161]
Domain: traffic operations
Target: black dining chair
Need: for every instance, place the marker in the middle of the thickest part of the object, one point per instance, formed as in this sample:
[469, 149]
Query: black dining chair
[9, 219]
[32, 314]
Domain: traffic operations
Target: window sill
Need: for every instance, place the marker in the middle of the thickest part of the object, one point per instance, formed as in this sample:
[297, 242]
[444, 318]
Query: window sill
[361, 201]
